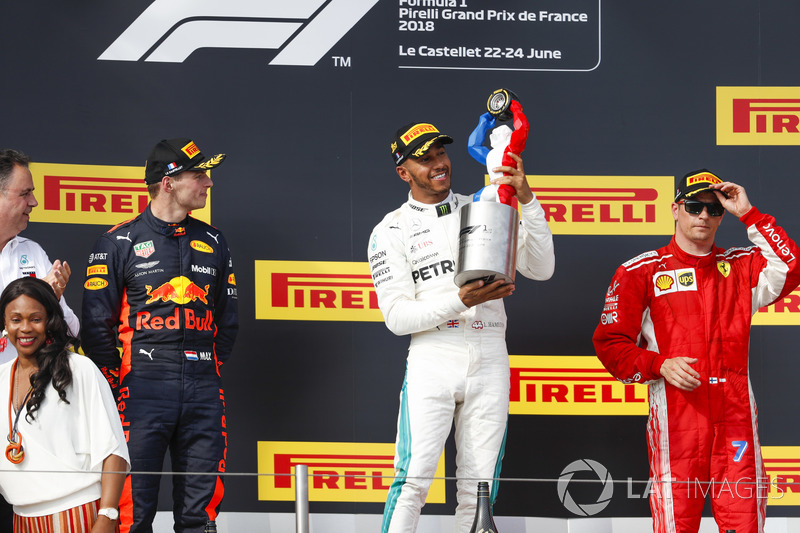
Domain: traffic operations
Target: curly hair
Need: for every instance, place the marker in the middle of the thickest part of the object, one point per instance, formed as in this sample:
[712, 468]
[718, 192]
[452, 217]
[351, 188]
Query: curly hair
[53, 357]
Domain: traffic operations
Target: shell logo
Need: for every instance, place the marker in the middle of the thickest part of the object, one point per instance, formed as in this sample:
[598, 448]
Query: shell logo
[664, 282]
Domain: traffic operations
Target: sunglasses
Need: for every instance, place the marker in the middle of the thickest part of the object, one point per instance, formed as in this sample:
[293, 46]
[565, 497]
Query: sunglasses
[695, 207]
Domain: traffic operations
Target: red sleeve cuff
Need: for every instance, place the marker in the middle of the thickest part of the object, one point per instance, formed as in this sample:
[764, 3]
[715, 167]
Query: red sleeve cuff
[751, 217]
[655, 365]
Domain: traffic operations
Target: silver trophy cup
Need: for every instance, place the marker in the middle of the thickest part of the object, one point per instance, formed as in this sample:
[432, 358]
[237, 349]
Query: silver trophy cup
[487, 243]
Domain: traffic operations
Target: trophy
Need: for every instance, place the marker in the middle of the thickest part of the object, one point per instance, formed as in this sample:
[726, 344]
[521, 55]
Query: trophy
[487, 242]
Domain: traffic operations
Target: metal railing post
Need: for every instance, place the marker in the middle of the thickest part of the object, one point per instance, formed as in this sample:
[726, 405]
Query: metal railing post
[301, 498]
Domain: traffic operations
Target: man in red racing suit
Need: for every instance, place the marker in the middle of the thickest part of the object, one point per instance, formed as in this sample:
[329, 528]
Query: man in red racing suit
[679, 319]
[163, 284]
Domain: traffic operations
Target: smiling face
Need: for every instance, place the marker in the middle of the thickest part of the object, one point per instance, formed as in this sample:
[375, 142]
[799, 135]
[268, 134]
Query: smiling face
[26, 323]
[695, 233]
[428, 175]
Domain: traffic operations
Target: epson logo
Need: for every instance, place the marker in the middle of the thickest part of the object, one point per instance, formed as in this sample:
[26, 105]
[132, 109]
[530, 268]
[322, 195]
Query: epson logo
[304, 30]
[201, 269]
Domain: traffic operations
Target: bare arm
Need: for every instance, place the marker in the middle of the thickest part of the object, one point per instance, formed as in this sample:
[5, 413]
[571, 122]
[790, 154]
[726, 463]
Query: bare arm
[111, 481]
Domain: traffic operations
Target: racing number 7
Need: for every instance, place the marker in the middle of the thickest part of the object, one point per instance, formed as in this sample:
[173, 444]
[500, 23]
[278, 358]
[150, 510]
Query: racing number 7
[741, 446]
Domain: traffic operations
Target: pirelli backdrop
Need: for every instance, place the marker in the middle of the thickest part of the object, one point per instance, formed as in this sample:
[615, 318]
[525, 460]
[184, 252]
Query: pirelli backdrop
[622, 96]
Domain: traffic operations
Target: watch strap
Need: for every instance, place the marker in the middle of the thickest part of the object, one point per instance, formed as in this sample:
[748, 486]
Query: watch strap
[109, 512]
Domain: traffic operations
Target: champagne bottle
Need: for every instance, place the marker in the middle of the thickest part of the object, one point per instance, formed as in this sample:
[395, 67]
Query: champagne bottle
[483, 513]
[211, 527]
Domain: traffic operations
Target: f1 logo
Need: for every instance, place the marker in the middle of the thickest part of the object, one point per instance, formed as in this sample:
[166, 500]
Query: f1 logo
[170, 30]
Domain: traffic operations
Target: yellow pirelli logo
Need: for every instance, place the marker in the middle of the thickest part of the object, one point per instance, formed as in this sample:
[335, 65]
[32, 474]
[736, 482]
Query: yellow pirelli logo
[190, 149]
[784, 312]
[782, 464]
[315, 290]
[338, 471]
[758, 116]
[570, 385]
[92, 194]
[606, 205]
[416, 131]
[703, 177]
[97, 270]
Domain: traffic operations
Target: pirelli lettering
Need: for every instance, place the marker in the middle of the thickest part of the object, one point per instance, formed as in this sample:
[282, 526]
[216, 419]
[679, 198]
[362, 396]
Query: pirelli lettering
[784, 312]
[570, 385]
[606, 205]
[758, 116]
[92, 194]
[338, 471]
[420, 129]
[782, 464]
[314, 290]
[97, 270]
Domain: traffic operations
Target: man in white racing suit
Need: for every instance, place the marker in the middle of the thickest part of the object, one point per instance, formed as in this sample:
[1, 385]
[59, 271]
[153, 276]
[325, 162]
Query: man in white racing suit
[19, 256]
[457, 368]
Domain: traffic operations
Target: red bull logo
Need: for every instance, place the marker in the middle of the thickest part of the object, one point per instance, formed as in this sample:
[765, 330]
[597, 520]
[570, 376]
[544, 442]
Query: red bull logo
[180, 290]
[145, 320]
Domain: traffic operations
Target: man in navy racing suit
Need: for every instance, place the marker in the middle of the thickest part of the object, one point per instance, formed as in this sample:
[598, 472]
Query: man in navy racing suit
[457, 367]
[163, 285]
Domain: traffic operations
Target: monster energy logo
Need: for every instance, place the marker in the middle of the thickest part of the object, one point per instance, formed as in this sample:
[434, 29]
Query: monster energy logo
[443, 209]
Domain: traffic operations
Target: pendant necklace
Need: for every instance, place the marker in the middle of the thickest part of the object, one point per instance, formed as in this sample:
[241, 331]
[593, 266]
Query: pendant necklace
[14, 451]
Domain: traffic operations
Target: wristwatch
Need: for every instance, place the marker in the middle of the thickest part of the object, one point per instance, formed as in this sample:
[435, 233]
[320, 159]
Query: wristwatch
[109, 512]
